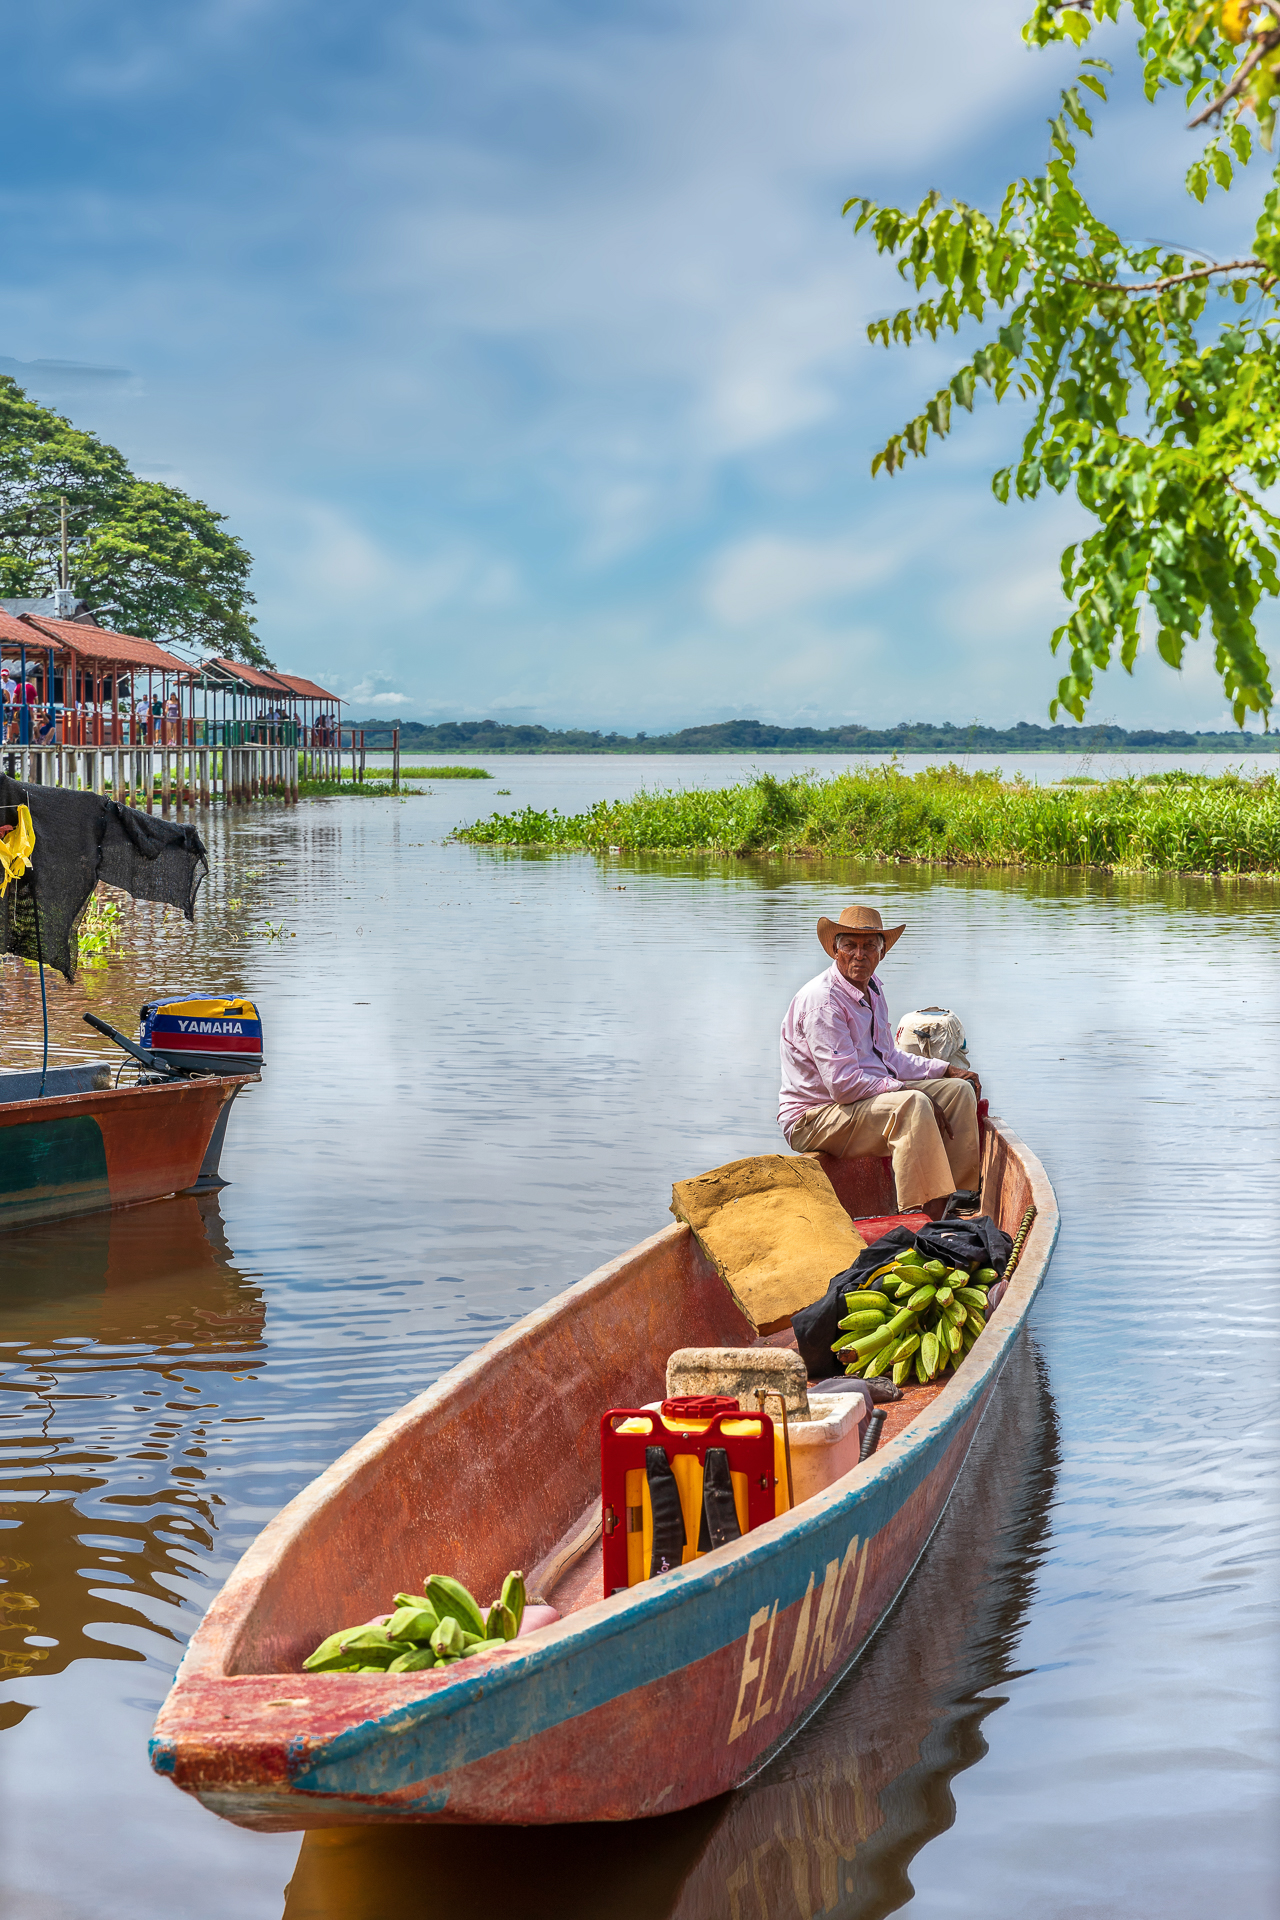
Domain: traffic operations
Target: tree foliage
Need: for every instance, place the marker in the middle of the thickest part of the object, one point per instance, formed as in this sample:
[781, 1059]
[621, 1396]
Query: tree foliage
[148, 558]
[1154, 376]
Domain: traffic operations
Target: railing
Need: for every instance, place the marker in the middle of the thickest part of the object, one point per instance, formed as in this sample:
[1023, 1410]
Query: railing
[128, 730]
[256, 733]
[29, 726]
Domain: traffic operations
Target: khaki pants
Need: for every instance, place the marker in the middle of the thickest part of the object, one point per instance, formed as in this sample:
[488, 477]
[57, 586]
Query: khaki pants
[926, 1164]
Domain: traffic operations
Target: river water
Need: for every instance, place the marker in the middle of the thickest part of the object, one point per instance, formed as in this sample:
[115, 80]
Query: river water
[484, 1072]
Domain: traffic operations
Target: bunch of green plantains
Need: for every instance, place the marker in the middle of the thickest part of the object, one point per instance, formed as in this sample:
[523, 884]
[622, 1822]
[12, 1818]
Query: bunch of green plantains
[1194, 823]
[429, 1629]
[939, 1314]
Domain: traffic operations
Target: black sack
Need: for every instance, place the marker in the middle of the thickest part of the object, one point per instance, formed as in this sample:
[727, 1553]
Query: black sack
[82, 838]
[961, 1243]
[816, 1329]
[966, 1243]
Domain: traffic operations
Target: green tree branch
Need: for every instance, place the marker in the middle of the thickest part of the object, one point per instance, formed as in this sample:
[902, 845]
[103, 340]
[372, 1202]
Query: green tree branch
[149, 559]
[1162, 415]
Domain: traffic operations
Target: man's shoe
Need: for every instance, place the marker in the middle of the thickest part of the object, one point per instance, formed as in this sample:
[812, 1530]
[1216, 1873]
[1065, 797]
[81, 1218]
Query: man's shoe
[964, 1201]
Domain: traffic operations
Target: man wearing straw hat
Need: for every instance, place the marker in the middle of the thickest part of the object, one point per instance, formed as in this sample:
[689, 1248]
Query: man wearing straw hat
[847, 1090]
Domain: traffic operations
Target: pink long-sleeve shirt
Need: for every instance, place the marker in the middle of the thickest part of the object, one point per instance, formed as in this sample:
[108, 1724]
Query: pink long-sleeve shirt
[837, 1048]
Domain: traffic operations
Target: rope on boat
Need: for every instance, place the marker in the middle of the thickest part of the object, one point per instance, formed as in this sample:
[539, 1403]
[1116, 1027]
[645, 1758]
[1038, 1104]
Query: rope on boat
[1022, 1233]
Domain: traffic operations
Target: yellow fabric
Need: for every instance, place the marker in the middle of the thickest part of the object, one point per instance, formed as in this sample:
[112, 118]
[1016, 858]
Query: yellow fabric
[16, 849]
[782, 1493]
[774, 1230]
[638, 1502]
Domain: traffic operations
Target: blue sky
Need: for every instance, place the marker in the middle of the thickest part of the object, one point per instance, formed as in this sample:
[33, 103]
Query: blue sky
[524, 344]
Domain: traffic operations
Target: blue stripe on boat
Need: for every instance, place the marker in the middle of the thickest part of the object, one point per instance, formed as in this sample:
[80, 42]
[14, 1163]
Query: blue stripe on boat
[666, 1627]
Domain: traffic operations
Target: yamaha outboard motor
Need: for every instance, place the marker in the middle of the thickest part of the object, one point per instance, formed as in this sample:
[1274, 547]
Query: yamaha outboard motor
[203, 1036]
[196, 1036]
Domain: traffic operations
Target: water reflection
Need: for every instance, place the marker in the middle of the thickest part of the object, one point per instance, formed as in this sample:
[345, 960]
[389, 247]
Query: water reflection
[832, 1825]
[119, 1332]
[1227, 894]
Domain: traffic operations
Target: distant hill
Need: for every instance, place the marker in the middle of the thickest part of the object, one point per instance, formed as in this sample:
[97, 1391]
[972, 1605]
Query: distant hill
[756, 736]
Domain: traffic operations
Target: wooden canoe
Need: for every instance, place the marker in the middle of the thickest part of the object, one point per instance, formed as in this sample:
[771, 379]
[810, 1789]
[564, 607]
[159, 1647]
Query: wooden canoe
[832, 1823]
[631, 1705]
[78, 1151]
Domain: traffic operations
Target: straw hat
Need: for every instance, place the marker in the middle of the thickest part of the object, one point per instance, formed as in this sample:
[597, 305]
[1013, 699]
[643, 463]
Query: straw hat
[857, 920]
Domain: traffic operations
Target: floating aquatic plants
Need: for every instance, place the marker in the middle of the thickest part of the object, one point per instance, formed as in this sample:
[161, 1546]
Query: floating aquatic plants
[1228, 823]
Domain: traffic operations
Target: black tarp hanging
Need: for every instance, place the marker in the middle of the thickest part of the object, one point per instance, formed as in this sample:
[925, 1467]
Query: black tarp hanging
[82, 838]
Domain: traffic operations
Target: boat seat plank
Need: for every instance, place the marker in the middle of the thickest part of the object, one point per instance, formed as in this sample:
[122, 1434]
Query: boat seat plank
[95, 1076]
[543, 1579]
[583, 1584]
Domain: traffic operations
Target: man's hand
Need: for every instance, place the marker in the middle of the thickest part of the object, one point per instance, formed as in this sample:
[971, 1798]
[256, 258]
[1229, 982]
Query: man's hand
[963, 1073]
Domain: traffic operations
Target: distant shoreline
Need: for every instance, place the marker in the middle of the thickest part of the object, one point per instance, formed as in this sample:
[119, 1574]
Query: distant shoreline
[736, 737]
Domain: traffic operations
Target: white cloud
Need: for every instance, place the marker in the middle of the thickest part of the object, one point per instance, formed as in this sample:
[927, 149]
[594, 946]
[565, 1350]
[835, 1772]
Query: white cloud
[324, 555]
[372, 691]
[768, 577]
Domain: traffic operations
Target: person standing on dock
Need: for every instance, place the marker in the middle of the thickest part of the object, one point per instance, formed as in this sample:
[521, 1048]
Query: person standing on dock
[848, 1091]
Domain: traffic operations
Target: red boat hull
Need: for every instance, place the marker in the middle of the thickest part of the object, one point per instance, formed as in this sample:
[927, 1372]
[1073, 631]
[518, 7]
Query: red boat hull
[81, 1152]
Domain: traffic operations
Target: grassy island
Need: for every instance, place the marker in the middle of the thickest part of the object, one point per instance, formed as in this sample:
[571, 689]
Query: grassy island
[1170, 822]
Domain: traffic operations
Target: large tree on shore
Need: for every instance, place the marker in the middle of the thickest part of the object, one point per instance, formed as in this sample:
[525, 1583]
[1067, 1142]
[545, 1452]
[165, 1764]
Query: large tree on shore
[148, 558]
[1153, 375]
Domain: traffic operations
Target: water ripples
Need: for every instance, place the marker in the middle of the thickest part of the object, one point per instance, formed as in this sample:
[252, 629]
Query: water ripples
[483, 1073]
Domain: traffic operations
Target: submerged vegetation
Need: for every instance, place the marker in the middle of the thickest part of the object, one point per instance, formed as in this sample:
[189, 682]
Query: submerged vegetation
[425, 773]
[101, 925]
[445, 773]
[1174, 822]
[376, 789]
[365, 789]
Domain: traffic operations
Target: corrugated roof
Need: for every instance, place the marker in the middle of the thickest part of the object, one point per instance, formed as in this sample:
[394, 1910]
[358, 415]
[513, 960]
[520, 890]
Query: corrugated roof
[248, 676]
[130, 650]
[14, 632]
[306, 689]
[93, 643]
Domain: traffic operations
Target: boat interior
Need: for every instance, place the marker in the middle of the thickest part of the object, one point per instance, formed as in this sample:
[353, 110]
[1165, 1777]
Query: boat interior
[499, 1466]
[93, 1076]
